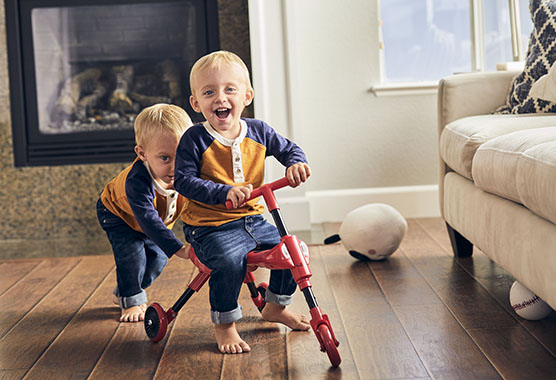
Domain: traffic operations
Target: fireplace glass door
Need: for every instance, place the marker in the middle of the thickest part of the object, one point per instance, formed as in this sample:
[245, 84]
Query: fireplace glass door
[87, 68]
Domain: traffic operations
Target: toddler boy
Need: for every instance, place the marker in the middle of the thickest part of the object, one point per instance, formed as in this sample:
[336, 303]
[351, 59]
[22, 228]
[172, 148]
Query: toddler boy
[223, 159]
[138, 208]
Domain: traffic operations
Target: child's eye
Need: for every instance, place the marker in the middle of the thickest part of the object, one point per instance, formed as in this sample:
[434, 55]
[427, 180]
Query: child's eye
[231, 89]
[208, 92]
[164, 158]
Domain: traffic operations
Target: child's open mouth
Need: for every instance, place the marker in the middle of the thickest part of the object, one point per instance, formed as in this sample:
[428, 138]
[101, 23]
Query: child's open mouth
[222, 113]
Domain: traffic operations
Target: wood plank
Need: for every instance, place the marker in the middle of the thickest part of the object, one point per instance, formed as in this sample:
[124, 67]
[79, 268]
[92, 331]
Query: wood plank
[468, 300]
[12, 374]
[514, 355]
[34, 332]
[191, 346]
[442, 344]
[380, 346]
[267, 359]
[130, 350]
[77, 349]
[483, 317]
[305, 360]
[495, 280]
[401, 282]
[23, 296]
[11, 272]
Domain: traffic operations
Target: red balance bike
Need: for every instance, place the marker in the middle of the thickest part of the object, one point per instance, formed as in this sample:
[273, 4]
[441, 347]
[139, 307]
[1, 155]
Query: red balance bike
[291, 253]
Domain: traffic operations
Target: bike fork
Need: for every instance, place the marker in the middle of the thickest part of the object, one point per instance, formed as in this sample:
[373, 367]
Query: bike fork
[317, 317]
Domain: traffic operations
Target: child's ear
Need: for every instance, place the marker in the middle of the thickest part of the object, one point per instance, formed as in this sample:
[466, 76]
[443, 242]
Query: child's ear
[249, 97]
[140, 152]
[194, 104]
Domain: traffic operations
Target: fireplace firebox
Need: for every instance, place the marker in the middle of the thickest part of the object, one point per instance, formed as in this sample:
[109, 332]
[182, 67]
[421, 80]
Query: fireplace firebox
[81, 70]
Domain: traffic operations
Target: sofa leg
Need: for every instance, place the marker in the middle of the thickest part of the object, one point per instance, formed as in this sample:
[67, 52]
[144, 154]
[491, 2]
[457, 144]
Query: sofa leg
[460, 245]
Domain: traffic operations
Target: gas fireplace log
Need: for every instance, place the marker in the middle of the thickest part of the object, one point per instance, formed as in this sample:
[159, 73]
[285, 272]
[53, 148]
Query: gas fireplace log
[89, 101]
[119, 100]
[147, 100]
[171, 75]
[72, 89]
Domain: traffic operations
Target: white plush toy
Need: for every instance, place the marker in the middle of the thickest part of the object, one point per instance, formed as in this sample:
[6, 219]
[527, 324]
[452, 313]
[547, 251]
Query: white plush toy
[371, 232]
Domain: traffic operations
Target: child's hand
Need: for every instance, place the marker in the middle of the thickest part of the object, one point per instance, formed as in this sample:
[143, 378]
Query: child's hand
[183, 252]
[237, 195]
[298, 173]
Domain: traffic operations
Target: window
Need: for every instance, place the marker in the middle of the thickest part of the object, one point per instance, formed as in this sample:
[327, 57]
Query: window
[425, 40]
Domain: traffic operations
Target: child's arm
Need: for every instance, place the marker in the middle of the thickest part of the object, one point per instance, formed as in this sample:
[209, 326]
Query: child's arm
[298, 173]
[288, 154]
[238, 194]
[140, 196]
[183, 253]
[187, 170]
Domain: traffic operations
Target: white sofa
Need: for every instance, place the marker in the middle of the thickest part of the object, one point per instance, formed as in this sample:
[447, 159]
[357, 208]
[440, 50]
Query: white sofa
[498, 179]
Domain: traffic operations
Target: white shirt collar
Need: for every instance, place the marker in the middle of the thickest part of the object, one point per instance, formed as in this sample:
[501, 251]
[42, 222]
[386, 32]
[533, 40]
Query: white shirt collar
[223, 140]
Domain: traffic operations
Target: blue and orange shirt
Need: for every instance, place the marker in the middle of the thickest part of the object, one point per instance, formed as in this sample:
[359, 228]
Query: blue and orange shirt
[208, 165]
[144, 205]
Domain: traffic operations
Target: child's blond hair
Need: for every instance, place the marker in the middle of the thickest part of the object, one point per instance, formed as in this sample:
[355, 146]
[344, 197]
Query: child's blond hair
[216, 60]
[160, 117]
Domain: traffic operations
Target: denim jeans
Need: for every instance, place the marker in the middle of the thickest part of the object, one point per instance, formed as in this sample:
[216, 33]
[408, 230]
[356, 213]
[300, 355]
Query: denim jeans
[139, 261]
[224, 249]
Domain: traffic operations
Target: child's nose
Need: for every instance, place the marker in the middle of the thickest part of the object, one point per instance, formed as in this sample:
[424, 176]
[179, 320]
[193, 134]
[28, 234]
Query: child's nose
[221, 96]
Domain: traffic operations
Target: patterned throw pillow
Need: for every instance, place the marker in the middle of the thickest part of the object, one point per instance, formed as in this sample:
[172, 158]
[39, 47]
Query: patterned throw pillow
[541, 54]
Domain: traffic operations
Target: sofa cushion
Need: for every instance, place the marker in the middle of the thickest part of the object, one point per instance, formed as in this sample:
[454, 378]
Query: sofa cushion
[520, 166]
[461, 138]
[541, 54]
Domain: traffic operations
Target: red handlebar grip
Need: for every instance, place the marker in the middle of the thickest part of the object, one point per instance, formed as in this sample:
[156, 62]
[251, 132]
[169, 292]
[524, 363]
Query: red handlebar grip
[278, 184]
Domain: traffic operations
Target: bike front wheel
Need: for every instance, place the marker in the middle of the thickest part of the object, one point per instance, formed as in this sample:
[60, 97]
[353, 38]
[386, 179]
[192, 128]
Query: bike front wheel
[329, 344]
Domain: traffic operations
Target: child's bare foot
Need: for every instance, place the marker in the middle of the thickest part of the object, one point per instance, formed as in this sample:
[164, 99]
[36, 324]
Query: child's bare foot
[228, 339]
[134, 313]
[273, 312]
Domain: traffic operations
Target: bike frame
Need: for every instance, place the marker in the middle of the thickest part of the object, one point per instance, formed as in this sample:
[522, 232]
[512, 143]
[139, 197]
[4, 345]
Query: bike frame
[291, 253]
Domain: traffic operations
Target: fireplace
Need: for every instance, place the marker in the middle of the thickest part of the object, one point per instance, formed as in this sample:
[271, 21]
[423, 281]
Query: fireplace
[80, 71]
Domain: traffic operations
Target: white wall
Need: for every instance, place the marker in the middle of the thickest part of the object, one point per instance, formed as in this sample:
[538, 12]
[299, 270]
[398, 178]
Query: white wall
[314, 62]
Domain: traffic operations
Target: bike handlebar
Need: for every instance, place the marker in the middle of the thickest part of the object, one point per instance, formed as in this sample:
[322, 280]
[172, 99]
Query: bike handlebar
[264, 189]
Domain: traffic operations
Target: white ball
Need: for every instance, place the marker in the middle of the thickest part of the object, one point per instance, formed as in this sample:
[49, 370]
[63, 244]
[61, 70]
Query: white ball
[527, 304]
[374, 230]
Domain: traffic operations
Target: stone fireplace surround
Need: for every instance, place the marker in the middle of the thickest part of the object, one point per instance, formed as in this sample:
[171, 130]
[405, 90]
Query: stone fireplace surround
[50, 211]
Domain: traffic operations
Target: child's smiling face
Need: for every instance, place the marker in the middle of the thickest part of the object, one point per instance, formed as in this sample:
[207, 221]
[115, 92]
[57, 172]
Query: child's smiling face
[221, 94]
[160, 153]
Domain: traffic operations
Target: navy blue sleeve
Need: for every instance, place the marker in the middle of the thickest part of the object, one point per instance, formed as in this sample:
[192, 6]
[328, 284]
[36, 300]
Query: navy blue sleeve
[284, 150]
[187, 169]
[140, 195]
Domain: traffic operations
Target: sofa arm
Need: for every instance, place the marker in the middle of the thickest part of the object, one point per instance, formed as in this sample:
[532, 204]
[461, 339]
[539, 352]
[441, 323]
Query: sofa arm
[471, 94]
[464, 95]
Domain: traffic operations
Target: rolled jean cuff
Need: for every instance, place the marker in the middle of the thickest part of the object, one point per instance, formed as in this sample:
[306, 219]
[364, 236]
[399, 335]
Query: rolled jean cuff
[280, 299]
[135, 300]
[231, 316]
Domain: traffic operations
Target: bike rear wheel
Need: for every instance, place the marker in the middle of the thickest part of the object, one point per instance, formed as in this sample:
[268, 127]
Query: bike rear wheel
[156, 322]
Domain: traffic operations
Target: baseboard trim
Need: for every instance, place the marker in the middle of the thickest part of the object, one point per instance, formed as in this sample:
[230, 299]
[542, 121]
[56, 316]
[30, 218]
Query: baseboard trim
[410, 201]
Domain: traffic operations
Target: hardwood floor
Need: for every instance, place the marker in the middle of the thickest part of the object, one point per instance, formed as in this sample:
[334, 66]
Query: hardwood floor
[419, 315]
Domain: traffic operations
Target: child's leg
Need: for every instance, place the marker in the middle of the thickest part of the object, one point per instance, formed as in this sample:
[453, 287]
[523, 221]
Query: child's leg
[223, 249]
[156, 261]
[278, 296]
[228, 339]
[129, 254]
[281, 286]
[130, 269]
